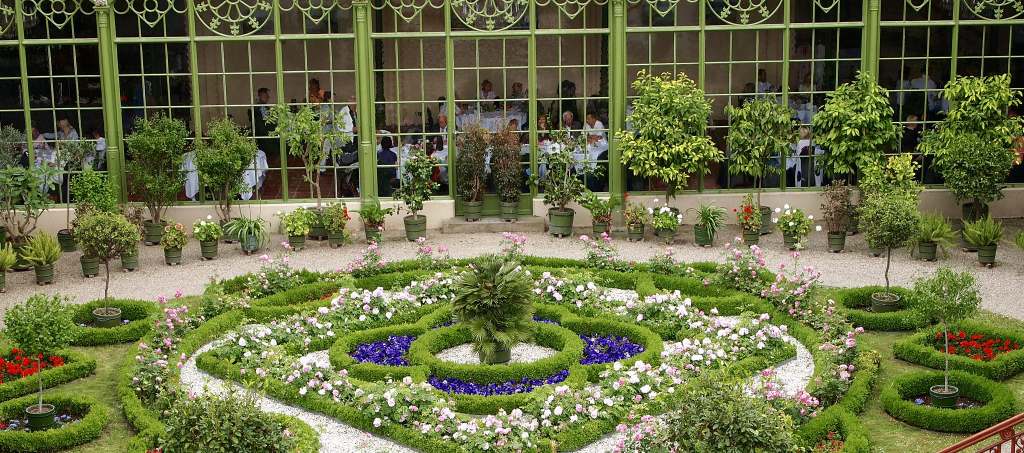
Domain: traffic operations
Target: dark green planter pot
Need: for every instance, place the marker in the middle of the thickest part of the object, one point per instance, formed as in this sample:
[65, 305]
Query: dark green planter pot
[297, 242]
[560, 222]
[853, 227]
[129, 263]
[335, 239]
[90, 266]
[875, 252]
[415, 227]
[836, 242]
[667, 235]
[153, 232]
[701, 236]
[3, 235]
[501, 356]
[44, 274]
[943, 396]
[373, 234]
[767, 227]
[751, 237]
[987, 255]
[172, 257]
[41, 418]
[249, 244]
[635, 233]
[471, 210]
[318, 232]
[510, 211]
[600, 227]
[968, 215]
[885, 302]
[928, 250]
[208, 249]
[67, 241]
[3, 282]
[792, 242]
[107, 317]
[228, 238]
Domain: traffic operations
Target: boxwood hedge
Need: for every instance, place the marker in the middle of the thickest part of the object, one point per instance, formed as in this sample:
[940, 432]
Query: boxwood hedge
[855, 302]
[88, 428]
[918, 349]
[836, 419]
[999, 402]
[140, 314]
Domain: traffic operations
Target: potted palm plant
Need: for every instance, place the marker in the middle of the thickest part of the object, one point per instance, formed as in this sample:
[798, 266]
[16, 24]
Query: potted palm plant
[710, 219]
[836, 211]
[336, 219]
[492, 298]
[470, 165]
[251, 233]
[7, 260]
[415, 189]
[221, 161]
[508, 172]
[934, 234]
[107, 236]
[208, 233]
[296, 225]
[42, 251]
[636, 218]
[70, 157]
[600, 211]
[563, 181]
[155, 156]
[984, 234]
[947, 296]
[42, 326]
[373, 216]
[173, 241]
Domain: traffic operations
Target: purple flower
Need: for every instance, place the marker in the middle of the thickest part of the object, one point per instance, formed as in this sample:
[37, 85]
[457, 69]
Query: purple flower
[390, 352]
[524, 385]
[608, 349]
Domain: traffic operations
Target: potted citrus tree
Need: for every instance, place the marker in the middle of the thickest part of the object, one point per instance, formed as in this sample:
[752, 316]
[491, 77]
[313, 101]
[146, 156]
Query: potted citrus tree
[947, 296]
[492, 298]
[760, 131]
[221, 161]
[70, 157]
[636, 218]
[600, 211]
[416, 187]
[891, 220]
[106, 236]
[933, 234]
[208, 233]
[508, 172]
[7, 260]
[336, 219]
[373, 216]
[155, 154]
[251, 233]
[24, 198]
[173, 241]
[710, 219]
[42, 326]
[296, 225]
[42, 251]
[470, 165]
[836, 209]
[984, 234]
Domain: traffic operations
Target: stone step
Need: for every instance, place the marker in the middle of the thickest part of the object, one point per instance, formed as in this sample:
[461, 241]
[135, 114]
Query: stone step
[525, 224]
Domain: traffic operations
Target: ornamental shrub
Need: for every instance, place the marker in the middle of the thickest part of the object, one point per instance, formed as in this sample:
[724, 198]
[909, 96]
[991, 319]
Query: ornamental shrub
[889, 210]
[508, 170]
[232, 423]
[42, 325]
[416, 184]
[759, 131]
[297, 222]
[470, 162]
[93, 188]
[206, 230]
[948, 296]
[21, 200]
[222, 160]
[154, 162]
[106, 236]
[336, 217]
[493, 299]
[310, 136]
[563, 182]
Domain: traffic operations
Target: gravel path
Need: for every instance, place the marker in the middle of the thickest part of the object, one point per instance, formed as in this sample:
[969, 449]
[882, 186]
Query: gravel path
[521, 353]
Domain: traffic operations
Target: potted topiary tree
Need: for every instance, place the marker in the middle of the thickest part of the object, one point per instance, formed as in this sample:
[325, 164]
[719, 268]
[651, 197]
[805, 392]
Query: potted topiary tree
[947, 296]
[71, 157]
[416, 187]
[470, 166]
[22, 203]
[508, 172]
[93, 193]
[296, 225]
[933, 234]
[106, 236]
[669, 138]
[600, 211]
[974, 146]
[760, 131]
[373, 216]
[984, 234]
[42, 251]
[42, 326]
[7, 260]
[222, 160]
[891, 220]
[155, 154]
[173, 241]
[336, 219]
[208, 233]
[492, 298]
[836, 210]
[562, 181]
[893, 174]
[710, 219]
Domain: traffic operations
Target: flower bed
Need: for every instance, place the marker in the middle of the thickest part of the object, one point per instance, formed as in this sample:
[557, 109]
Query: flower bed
[20, 375]
[998, 402]
[389, 352]
[137, 315]
[925, 348]
[93, 418]
[855, 302]
[521, 385]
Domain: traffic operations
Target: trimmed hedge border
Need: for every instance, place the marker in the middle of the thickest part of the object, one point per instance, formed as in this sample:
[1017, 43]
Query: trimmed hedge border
[999, 402]
[840, 421]
[368, 371]
[1004, 366]
[85, 430]
[141, 314]
[307, 439]
[855, 300]
[76, 366]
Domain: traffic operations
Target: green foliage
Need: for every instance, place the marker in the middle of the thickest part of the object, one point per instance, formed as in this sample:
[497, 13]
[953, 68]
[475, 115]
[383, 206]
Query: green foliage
[670, 141]
[206, 230]
[88, 428]
[11, 142]
[336, 217]
[42, 249]
[998, 402]
[894, 173]
[141, 316]
[936, 229]
[710, 217]
[759, 131]
[309, 135]
[7, 257]
[983, 232]
[563, 182]
[600, 210]
[890, 221]
[470, 162]
[841, 422]
[508, 171]
[106, 236]
[232, 423]
[417, 184]
[836, 207]
[973, 146]
[297, 222]
[794, 223]
[93, 188]
[948, 296]
[41, 325]
[71, 153]
[855, 125]
[154, 162]
[856, 301]
[175, 237]
[222, 160]
[636, 214]
[492, 298]
[21, 200]
[246, 227]
[373, 215]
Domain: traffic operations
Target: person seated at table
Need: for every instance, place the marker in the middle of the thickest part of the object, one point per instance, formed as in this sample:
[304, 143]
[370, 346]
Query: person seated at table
[543, 130]
[763, 85]
[569, 121]
[487, 90]
[386, 156]
[98, 159]
[593, 128]
[518, 93]
[315, 95]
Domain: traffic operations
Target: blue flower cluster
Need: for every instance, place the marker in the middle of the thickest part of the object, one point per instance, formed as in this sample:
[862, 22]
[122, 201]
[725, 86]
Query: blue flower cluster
[524, 385]
[608, 348]
[389, 352]
[22, 424]
[545, 320]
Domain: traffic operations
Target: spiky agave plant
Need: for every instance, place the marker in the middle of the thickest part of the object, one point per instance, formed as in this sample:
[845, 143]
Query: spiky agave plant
[492, 298]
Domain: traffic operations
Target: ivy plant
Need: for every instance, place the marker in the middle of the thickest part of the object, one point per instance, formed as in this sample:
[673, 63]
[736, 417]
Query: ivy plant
[311, 137]
[222, 160]
[154, 162]
[759, 131]
[855, 125]
[417, 184]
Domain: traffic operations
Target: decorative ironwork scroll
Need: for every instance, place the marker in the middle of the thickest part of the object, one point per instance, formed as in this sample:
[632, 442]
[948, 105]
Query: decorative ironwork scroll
[490, 15]
[234, 17]
[744, 12]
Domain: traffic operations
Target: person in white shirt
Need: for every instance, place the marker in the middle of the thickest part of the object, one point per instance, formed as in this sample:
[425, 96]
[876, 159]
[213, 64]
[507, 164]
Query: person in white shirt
[594, 128]
[487, 90]
[98, 161]
[763, 85]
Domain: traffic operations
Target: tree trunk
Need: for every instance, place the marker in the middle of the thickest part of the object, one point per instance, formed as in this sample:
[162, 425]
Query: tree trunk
[106, 285]
[40, 361]
[945, 378]
[888, 261]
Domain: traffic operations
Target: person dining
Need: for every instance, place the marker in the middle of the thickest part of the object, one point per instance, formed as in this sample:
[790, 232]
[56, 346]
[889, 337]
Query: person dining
[315, 94]
[569, 121]
[487, 91]
[518, 97]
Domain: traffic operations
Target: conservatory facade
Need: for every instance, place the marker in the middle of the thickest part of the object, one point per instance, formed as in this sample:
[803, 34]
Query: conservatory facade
[396, 73]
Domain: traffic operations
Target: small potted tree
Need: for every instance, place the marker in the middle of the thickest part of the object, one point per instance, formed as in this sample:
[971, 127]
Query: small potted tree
[748, 215]
[155, 154]
[296, 225]
[7, 259]
[470, 165]
[891, 220]
[947, 296]
[107, 236]
[251, 233]
[222, 160]
[42, 251]
[22, 202]
[933, 234]
[373, 216]
[508, 172]
[710, 219]
[600, 211]
[636, 218]
[836, 210]
[492, 298]
[893, 174]
[760, 131]
[416, 187]
[93, 193]
[669, 139]
[563, 181]
[208, 233]
[336, 219]
[42, 326]
[984, 234]
[173, 241]
[70, 157]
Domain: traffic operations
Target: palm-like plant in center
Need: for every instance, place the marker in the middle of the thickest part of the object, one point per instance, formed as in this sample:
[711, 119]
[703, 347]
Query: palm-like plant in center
[492, 299]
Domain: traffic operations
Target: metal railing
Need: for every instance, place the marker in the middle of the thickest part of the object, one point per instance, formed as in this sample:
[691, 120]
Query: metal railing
[1011, 438]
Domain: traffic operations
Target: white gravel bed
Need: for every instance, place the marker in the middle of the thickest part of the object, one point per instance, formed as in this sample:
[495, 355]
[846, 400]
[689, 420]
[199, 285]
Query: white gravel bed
[521, 353]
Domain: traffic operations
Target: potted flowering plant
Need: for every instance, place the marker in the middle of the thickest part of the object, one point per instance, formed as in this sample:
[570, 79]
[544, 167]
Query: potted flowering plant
[42, 251]
[470, 166]
[492, 298]
[795, 225]
[666, 221]
[984, 234]
[208, 233]
[710, 219]
[7, 260]
[296, 225]
[636, 217]
[948, 296]
[251, 233]
[563, 182]
[415, 189]
[373, 215]
[600, 211]
[106, 236]
[40, 327]
[836, 211]
[336, 218]
[173, 240]
[748, 215]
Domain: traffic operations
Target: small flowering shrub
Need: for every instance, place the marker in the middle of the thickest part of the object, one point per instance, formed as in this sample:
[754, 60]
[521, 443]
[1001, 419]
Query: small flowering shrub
[792, 288]
[794, 223]
[427, 257]
[665, 218]
[275, 275]
[801, 406]
[635, 215]
[221, 424]
[216, 302]
[175, 237]
[370, 263]
[601, 252]
[207, 230]
[743, 267]
[512, 244]
[977, 346]
[748, 215]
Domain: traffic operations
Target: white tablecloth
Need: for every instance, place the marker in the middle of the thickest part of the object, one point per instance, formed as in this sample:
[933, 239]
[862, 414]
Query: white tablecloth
[492, 121]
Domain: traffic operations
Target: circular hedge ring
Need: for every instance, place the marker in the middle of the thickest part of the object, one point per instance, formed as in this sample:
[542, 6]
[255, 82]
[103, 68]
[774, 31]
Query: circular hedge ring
[340, 357]
[997, 399]
[920, 349]
[87, 429]
[140, 315]
[855, 302]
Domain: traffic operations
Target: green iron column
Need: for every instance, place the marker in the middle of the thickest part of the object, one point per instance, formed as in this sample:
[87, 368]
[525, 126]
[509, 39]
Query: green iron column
[110, 100]
[617, 76]
[872, 32]
[361, 11]
[19, 24]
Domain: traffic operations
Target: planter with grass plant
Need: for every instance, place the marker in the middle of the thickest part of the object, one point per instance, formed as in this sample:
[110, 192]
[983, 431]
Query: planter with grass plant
[222, 160]
[508, 172]
[40, 327]
[7, 259]
[251, 232]
[415, 189]
[41, 252]
[154, 158]
[984, 234]
[107, 236]
[373, 216]
[636, 218]
[208, 233]
[748, 215]
[835, 209]
[492, 298]
[173, 242]
[947, 296]
[24, 197]
[336, 218]
[600, 211]
[470, 165]
[710, 219]
[296, 225]
[795, 226]
[934, 235]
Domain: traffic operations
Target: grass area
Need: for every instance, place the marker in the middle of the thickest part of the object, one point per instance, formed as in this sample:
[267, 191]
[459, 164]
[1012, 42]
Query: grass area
[103, 387]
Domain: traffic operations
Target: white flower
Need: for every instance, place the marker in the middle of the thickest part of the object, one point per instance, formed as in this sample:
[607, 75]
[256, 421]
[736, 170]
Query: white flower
[810, 217]
[778, 210]
[775, 220]
[785, 206]
[209, 217]
[817, 228]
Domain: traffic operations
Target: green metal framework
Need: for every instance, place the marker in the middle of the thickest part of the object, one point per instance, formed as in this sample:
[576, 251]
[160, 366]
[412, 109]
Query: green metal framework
[396, 65]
